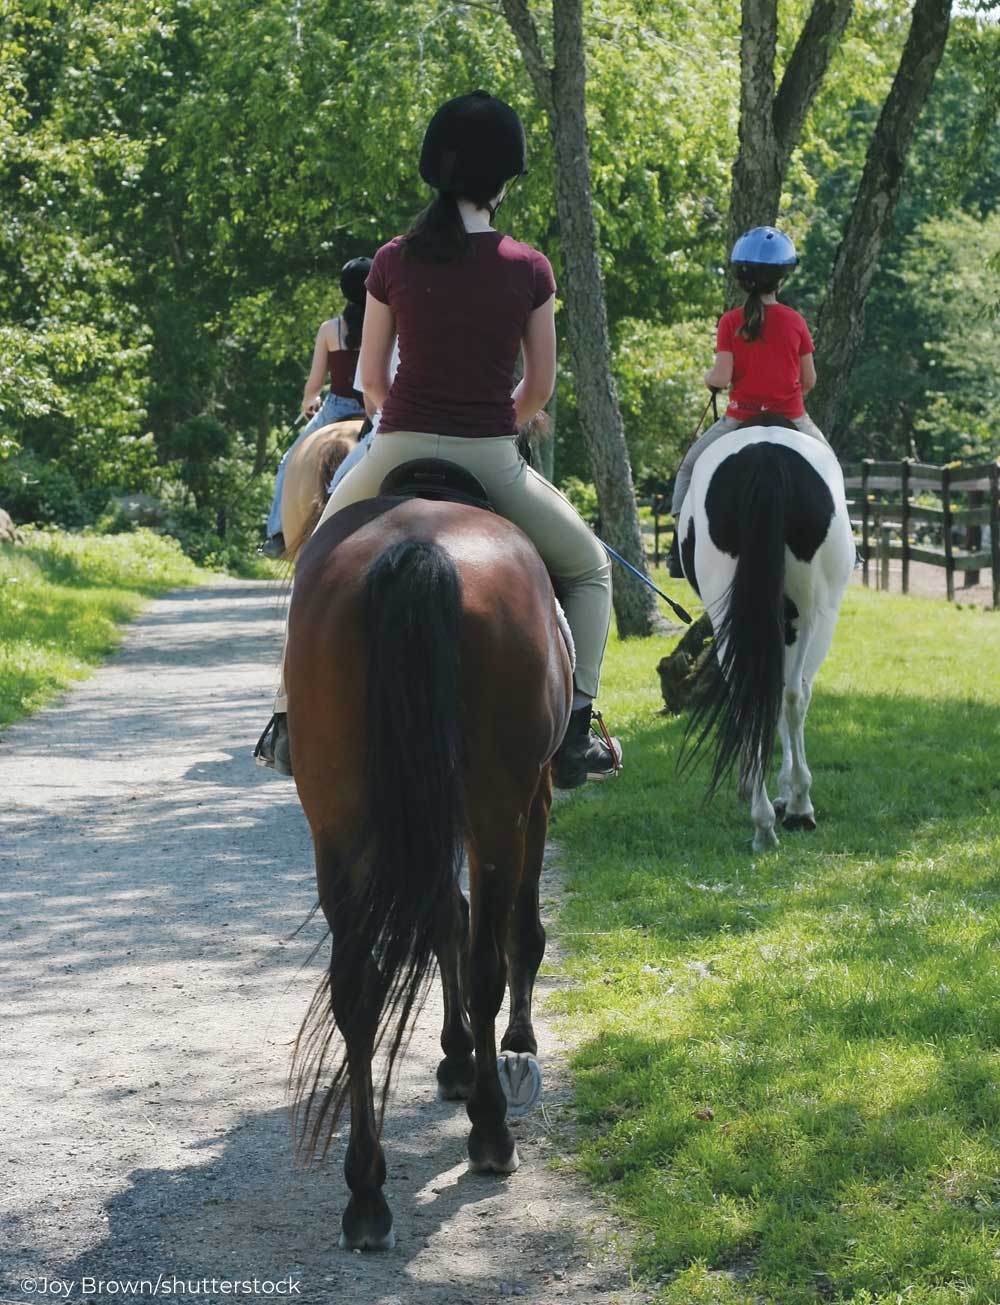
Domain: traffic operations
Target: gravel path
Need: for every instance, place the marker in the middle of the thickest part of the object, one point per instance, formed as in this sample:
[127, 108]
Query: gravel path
[150, 881]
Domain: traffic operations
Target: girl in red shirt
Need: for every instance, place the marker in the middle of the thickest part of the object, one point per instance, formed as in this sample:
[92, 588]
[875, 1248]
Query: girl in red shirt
[464, 300]
[764, 354]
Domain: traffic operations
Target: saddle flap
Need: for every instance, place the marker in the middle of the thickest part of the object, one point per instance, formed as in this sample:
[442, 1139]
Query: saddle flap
[435, 478]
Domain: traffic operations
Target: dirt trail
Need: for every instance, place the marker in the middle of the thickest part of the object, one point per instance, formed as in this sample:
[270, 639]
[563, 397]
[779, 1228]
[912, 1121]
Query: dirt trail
[150, 879]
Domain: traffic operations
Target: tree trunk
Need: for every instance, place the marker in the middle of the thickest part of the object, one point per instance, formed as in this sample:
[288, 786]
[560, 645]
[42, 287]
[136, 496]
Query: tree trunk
[841, 318]
[757, 171]
[562, 93]
[771, 124]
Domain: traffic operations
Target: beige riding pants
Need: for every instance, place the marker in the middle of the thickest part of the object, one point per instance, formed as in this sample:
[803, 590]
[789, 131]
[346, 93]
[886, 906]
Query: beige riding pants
[715, 432]
[567, 546]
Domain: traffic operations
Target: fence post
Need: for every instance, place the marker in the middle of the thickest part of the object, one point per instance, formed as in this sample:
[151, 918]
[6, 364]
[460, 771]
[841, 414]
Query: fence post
[866, 466]
[904, 517]
[995, 531]
[884, 539]
[973, 538]
[949, 556]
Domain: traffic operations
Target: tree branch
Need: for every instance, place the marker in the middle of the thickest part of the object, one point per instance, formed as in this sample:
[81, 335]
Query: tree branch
[522, 24]
[806, 69]
[841, 317]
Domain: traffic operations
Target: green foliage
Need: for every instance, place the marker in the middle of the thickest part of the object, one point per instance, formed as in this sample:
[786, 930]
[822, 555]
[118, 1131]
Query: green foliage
[182, 183]
[62, 600]
[833, 1004]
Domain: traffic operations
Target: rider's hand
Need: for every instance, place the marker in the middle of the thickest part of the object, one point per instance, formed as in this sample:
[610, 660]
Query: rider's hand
[311, 404]
[539, 427]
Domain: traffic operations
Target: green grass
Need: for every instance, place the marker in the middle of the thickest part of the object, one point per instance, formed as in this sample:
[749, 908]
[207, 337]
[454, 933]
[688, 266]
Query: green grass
[62, 600]
[835, 1004]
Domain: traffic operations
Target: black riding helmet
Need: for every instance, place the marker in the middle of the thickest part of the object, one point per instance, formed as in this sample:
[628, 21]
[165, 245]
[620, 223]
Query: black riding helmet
[352, 279]
[473, 144]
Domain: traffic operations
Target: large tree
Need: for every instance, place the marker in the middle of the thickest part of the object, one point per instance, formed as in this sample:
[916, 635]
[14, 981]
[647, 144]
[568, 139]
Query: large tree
[561, 89]
[770, 128]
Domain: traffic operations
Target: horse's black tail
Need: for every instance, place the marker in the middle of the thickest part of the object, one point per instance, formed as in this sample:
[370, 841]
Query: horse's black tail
[412, 840]
[739, 700]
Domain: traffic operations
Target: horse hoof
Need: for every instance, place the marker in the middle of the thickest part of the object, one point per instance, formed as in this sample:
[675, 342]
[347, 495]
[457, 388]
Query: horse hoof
[764, 840]
[493, 1160]
[367, 1224]
[779, 808]
[800, 822]
[521, 1080]
[368, 1242]
[455, 1079]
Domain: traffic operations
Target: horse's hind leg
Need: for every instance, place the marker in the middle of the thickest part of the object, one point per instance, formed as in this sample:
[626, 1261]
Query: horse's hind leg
[356, 990]
[526, 945]
[456, 1072]
[814, 640]
[493, 871]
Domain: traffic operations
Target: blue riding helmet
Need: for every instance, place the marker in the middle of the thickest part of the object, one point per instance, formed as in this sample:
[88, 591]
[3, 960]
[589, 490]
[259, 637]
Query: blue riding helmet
[764, 245]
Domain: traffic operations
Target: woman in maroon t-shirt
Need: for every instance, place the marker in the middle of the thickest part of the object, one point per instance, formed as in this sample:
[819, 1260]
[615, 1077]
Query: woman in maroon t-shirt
[464, 300]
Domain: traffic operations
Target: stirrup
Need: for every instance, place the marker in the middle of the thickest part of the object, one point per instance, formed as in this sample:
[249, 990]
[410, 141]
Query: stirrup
[265, 753]
[613, 746]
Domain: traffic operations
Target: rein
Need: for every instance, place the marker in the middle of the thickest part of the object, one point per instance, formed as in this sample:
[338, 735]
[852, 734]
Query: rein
[676, 607]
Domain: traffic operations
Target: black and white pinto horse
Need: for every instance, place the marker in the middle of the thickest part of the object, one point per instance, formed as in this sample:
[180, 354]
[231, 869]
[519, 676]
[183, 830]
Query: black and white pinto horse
[766, 541]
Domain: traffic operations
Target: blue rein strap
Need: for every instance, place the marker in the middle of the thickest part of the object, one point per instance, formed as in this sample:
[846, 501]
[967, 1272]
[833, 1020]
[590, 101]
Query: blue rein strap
[675, 607]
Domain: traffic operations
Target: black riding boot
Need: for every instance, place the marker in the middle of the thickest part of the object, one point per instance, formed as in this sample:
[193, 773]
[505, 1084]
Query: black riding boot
[674, 568]
[582, 755]
[274, 546]
[272, 747]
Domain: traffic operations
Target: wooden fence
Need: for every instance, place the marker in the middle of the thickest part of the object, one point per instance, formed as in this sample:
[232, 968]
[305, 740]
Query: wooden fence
[889, 508]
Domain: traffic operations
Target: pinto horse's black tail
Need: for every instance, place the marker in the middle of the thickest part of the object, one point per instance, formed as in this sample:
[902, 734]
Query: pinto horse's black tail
[411, 845]
[739, 700]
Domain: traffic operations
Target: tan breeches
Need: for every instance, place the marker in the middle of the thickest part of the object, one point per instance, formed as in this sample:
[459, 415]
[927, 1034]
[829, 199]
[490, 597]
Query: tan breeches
[575, 559]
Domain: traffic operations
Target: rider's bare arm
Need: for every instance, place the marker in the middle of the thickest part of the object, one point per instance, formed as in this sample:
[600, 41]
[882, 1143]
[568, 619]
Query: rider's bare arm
[538, 349]
[807, 372]
[721, 374]
[376, 351]
[311, 395]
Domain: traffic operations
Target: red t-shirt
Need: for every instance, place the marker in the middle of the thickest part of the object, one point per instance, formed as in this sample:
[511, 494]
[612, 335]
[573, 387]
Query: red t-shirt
[766, 371]
[460, 327]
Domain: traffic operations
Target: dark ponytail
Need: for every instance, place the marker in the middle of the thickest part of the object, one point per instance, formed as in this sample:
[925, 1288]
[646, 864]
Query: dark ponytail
[757, 279]
[438, 235]
[354, 319]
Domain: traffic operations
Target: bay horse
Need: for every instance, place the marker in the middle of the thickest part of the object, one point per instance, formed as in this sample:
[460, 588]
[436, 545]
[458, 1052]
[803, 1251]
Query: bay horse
[766, 541]
[428, 687]
[311, 467]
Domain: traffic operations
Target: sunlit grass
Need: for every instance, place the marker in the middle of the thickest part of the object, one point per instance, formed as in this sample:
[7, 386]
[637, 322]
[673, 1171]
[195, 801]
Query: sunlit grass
[789, 1065]
[63, 599]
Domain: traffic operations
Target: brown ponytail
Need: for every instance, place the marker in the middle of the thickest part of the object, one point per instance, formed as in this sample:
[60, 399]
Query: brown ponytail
[757, 279]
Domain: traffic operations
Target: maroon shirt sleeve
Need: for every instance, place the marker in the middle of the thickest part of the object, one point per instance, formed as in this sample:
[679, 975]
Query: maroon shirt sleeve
[377, 281]
[545, 282]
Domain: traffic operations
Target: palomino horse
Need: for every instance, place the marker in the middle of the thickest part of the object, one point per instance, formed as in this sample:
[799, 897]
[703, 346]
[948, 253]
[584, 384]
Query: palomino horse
[310, 469]
[766, 541]
[428, 687]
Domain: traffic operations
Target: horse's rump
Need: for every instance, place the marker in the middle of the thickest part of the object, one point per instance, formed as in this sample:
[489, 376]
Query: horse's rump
[311, 467]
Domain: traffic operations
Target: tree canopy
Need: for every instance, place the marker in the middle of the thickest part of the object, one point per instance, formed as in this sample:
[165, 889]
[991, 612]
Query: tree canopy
[181, 183]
